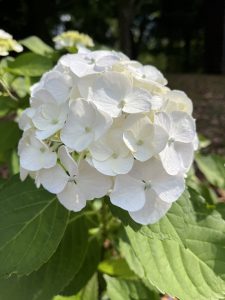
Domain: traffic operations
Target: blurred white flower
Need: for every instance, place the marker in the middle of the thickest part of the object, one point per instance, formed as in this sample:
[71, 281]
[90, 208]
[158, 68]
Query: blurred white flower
[7, 44]
[72, 39]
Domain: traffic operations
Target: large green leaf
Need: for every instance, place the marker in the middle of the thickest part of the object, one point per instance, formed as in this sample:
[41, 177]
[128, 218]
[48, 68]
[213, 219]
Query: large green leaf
[37, 46]
[30, 64]
[88, 268]
[10, 135]
[184, 253]
[213, 168]
[120, 289]
[51, 278]
[32, 223]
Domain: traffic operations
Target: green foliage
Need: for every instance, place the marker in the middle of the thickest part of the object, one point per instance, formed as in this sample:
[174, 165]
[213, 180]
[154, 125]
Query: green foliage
[10, 135]
[7, 105]
[32, 223]
[87, 269]
[183, 254]
[213, 168]
[120, 289]
[56, 273]
[30, 64]
[115, 267]
[90, 292]
[36, 45]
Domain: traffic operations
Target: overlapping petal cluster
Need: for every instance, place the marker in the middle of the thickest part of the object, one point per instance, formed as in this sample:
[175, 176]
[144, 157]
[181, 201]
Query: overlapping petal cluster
[7, 44]
[101, 124]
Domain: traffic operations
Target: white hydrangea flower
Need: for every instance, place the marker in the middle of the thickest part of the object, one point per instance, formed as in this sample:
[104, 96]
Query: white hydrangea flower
[147, 191]
[110, 155]
[36, 155]
[7, 43]
[113, 93]
[145, 139]
[177, 156]
[177, 101]
[85, 124]
[80, 183]
[101, 125]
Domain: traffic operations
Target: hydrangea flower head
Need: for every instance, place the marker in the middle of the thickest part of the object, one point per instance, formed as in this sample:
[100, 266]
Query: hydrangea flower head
[72, 39]
[7, 44]
[100, 124]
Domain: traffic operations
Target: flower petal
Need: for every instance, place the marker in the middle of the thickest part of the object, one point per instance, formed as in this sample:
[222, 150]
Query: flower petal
[170, 160]
[72, 198]
[186, 154]
[153, 210]
[92, 183]
[128, 193]
[67, 161]
[137, 101]
[109, 91]
[36, 156]
[54, 179]
[183, 127]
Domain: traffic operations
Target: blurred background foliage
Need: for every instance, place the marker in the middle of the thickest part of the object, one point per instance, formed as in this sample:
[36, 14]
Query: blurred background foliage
[176, 36]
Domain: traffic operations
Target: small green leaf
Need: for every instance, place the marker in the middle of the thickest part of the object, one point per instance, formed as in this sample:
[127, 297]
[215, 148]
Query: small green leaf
[120, 289]
[51, 278]
[90, 291]
[213, 168]
[36, 45]
[32, 223]
[116, 267]
[21, 86]
[30, 64]
[203, 141]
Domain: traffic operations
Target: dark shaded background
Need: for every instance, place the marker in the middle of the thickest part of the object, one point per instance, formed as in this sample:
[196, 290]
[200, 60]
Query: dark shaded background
[175, 35]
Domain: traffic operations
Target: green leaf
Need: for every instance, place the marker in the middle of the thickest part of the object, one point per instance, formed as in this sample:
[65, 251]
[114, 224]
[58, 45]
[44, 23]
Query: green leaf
[213, 168]
[10, 135]
[183, 254]
[90, 292]
[116, 267]
[88, 268]
[36, 45]
[21, 86]
[76, 297]
[203, 141]
[120, 289]
[32, 223]
[51, 278]
[30, 64]
[14, 163]
[7, 105]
